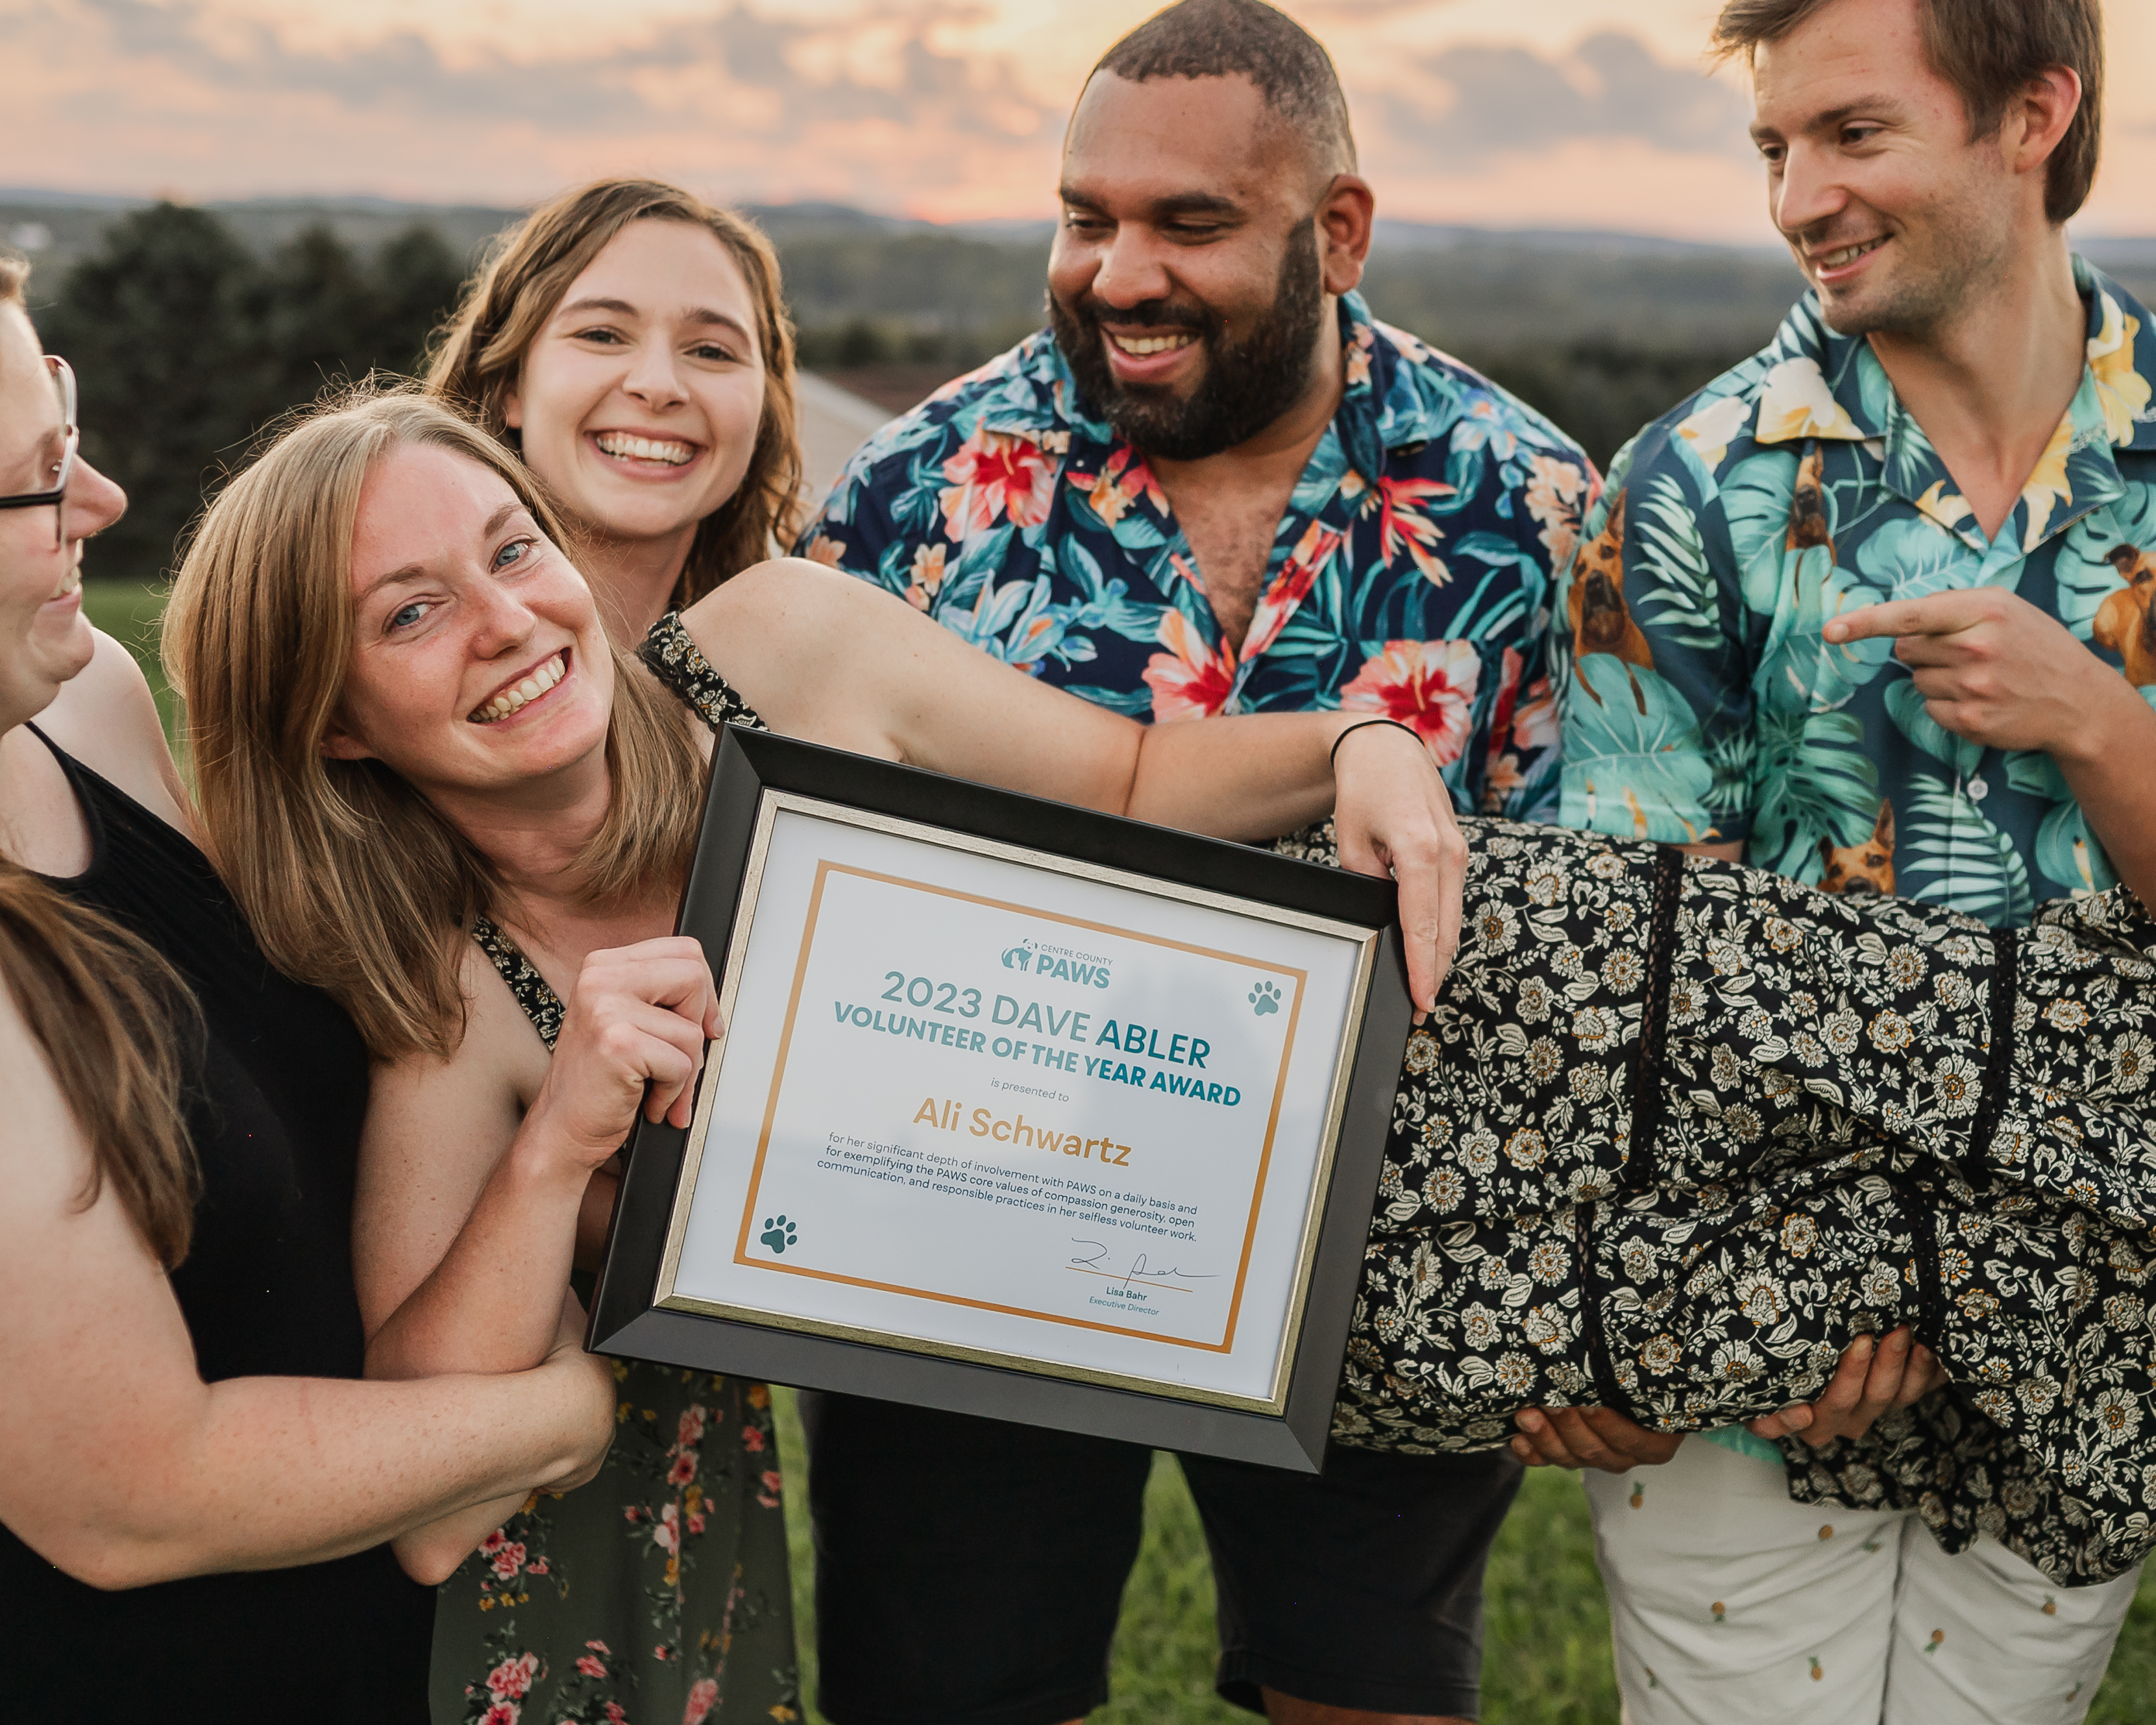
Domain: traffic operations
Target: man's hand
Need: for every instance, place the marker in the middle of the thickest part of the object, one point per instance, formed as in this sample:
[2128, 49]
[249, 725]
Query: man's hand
[1392, 816]
[1995, 669]
[1589, 1437]
[1867, 1383]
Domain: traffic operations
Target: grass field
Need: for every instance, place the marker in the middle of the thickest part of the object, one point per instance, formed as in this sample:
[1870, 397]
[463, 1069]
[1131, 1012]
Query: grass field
[1546, 1645]
[1546, 1653]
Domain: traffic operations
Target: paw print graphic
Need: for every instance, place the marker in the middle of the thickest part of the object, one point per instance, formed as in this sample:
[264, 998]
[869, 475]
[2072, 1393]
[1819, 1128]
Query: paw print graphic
[1264, 999]
[778, 1234]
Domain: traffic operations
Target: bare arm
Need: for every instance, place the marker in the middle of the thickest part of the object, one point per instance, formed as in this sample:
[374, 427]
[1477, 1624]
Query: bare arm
[248, 1473]
[437, 1157]
[431, 1553]
[105, 717]
[468, 1208]
[840, 661]
[2111, 772]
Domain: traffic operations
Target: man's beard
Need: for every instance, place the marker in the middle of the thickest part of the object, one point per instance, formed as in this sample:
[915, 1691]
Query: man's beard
[1925, 294]
[1245, 385]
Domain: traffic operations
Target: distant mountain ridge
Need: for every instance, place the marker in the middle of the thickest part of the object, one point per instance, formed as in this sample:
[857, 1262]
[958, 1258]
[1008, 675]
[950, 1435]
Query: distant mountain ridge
[816, 215]
[1600, 330]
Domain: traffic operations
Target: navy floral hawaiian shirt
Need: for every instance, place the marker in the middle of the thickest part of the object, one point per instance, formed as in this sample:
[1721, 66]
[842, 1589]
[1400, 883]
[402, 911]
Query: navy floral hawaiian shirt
[1411, 575]
[1701, 702]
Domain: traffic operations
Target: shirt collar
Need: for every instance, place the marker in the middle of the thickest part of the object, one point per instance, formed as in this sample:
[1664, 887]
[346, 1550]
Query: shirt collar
[2121, 354]
[1831, 386]
[1030, 391]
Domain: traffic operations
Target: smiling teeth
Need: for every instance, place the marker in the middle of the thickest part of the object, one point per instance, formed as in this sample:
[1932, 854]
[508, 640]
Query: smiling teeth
[1138, 347]
[1849, 254]
[644, 448]
[524, 693]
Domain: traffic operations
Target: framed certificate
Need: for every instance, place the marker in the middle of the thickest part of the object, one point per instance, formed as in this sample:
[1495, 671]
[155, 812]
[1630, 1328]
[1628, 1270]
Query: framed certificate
[1022, 1111]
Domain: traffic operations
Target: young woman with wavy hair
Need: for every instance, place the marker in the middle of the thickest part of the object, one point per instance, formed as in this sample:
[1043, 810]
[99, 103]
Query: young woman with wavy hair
[444, 797]
[195, 1490]
[631, 342]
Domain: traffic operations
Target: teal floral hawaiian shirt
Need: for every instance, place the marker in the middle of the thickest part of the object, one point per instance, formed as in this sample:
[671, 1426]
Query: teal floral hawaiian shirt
[1699, 700]
[1411, 575]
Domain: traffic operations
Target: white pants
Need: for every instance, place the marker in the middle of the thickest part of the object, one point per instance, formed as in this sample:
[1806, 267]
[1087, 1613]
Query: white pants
[1729, 1602]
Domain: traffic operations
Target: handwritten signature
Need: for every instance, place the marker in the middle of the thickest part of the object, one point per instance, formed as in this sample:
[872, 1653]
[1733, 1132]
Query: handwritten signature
[1139, 1272]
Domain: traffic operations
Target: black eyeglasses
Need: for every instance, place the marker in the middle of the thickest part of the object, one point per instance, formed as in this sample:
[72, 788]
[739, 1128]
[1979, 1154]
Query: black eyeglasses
[58, 460]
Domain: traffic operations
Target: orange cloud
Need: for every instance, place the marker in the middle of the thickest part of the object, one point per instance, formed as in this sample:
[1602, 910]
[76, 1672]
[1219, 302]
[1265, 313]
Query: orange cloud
[1569, 113]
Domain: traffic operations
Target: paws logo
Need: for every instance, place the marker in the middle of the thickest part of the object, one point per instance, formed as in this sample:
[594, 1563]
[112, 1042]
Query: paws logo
[1264, 999]
[778, 1234]
[1056, 964]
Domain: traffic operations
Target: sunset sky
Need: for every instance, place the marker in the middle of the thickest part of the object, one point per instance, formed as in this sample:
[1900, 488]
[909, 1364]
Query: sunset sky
[1502, 113]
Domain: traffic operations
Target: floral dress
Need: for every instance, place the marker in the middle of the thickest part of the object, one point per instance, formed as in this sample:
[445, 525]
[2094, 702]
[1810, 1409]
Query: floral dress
[659, 1592]
[1679, 1131]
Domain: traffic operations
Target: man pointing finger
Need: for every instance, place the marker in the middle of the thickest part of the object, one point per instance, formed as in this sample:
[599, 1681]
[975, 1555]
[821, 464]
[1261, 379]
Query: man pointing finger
[1996, 671]
[1872, 610]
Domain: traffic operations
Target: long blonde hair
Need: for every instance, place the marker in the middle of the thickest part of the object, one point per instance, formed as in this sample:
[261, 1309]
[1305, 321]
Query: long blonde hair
[111, 1016]
[352, 880]
[479, 356]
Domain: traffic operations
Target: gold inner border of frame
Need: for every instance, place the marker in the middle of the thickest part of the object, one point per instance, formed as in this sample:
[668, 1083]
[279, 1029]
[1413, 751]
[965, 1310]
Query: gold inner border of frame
[1297, 980]
[769, 805]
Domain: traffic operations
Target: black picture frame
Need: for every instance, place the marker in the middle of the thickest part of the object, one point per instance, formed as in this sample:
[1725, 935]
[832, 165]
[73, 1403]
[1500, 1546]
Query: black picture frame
[627, 1321]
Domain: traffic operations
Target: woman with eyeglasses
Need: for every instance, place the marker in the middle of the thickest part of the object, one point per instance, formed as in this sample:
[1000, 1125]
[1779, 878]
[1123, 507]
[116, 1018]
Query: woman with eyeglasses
[196, 1491]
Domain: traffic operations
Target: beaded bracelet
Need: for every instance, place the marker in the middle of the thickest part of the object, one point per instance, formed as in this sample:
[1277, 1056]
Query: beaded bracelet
[1333, 759]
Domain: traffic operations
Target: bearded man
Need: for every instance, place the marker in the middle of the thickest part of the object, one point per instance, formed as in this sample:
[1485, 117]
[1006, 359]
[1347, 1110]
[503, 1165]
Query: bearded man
[1873, 610]
[1216, 484]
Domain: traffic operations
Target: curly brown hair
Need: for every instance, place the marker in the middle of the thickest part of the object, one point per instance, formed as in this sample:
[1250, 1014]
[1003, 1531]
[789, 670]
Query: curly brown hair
[478, 355]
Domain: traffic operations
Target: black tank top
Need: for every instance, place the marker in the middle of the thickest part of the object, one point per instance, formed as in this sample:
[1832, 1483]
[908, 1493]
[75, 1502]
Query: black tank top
[275, 1112]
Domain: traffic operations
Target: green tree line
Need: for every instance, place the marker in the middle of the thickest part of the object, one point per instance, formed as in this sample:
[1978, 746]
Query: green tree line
[188, 341]
[186, 344]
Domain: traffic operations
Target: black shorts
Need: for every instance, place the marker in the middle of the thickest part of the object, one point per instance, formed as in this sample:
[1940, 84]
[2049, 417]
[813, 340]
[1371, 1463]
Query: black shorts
[969, 1571]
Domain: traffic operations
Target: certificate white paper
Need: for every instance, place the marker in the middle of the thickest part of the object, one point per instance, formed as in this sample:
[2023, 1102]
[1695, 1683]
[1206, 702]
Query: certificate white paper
[1014, 1108]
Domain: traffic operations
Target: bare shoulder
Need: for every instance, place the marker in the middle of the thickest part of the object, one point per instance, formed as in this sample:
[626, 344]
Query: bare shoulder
[107, 719]
[499, 1063]
[44, 1164]
[782, 602]
[795, 637]
[56, 1227]
[435, 1128]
